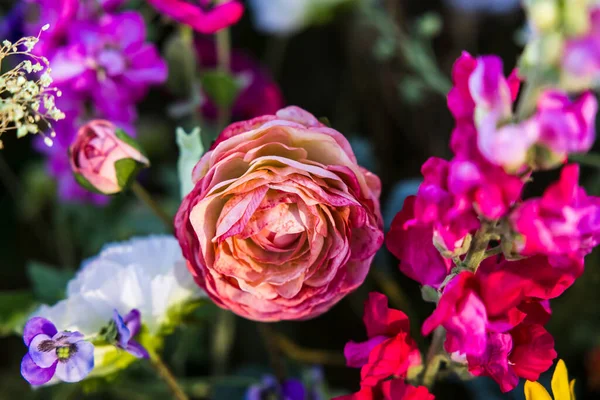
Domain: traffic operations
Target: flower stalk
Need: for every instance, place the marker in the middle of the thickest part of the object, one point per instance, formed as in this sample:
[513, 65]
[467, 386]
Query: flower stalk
[167, 376]
[146, 198]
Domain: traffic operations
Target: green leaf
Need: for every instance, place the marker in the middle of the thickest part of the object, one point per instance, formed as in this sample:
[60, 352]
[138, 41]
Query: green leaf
[222, 88]
[49, 283]
[15, 307]
[190, 152]
[83, 182]
[126, 170]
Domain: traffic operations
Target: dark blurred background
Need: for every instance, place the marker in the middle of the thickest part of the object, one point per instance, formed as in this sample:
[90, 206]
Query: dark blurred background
[354, 71]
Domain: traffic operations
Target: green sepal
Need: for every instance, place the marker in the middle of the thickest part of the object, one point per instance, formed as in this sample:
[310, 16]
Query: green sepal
[325, 121]
[221, 87]
[124, 137]
[126, 170]
[83, 182]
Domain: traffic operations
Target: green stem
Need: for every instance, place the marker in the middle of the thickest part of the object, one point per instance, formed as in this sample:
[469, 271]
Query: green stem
[478, 248]
[435, 357]
[166, 375]
[224, 64]
[146, 198]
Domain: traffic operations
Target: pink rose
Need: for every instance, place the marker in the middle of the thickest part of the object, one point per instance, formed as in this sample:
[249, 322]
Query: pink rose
[103, 158]
[282, 223]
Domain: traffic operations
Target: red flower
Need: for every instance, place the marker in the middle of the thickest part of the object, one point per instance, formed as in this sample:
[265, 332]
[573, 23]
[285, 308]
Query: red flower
[199, 17]
[395, 389]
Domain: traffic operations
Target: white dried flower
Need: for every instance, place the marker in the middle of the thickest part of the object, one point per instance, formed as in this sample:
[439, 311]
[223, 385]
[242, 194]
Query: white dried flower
[21, 94]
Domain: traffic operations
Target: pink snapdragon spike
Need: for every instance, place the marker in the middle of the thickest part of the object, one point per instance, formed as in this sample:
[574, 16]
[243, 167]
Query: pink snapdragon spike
[201, 16]
[413, 245]
[565, 221]
[388, 352]
[565, 126]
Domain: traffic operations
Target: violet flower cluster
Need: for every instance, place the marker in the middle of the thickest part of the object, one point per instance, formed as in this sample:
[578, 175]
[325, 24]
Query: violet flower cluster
[69, 356]
[102, 64]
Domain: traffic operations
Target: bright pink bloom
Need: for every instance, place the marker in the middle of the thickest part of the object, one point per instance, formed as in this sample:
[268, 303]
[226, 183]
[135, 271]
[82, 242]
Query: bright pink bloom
[260, 94]
[201, 17]
[394, 389]
[96, 154]
[476, 181]
[480, 88]
[565, 221]
[565, 126]
[531, 278]
[110, 61]
[525, 352]
[389, 351]
[483, 96]
[282, 223]
[413, 245]
[462, 313]
[451, 216]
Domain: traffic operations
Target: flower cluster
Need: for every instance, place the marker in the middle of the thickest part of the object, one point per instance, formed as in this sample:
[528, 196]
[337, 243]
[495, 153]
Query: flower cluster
[26, 100]
[103, 66]
[139, 288]
[388, 352]
[494, 258]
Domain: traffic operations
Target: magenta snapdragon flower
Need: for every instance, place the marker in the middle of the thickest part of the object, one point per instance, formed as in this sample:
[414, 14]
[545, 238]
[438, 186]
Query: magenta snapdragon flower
[200, 15]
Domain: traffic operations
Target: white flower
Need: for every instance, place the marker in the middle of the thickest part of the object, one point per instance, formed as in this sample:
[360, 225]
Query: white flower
[149, 274]
[283, 17]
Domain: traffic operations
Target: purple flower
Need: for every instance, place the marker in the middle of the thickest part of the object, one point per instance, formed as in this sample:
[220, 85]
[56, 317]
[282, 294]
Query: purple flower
[64, 354]
[290, 389]
[126, 328]
[109, 61]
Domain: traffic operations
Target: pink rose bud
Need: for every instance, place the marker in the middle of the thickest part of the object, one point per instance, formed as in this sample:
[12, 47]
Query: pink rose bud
[104, 158]
[282, 223]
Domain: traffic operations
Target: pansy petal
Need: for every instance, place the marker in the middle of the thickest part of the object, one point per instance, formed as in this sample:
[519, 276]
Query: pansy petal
[123, 333]
[79, 365]
[292, 389]
[42, 350]
[133, 320]
[36, 375]
[35, 326]
[137, 349]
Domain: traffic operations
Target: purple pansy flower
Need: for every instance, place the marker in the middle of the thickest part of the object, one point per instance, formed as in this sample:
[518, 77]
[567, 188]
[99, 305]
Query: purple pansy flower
[289, 389]
[65, 355]
[127, 327]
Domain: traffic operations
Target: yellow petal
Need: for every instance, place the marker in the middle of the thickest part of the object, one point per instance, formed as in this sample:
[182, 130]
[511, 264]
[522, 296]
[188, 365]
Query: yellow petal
[573, 389]
[535, 391]
[560, 382]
